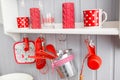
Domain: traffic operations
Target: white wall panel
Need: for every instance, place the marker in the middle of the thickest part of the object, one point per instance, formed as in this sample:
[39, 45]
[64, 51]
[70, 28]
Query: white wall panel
[109, 6]
[117, 9]
[105, 49]
[117, 59]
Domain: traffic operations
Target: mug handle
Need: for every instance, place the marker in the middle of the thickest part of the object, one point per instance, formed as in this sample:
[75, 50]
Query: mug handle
[105, 17]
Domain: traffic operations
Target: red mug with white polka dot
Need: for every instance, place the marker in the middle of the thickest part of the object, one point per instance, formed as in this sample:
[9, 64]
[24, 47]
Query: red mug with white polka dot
[94, 17]
[23, 22]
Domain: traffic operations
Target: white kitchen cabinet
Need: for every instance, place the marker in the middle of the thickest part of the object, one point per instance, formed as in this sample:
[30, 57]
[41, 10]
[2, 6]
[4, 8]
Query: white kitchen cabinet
[10, 12]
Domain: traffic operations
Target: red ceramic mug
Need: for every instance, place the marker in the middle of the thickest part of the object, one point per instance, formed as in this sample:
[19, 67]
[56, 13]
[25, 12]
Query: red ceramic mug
[23, 22]
[93, 18]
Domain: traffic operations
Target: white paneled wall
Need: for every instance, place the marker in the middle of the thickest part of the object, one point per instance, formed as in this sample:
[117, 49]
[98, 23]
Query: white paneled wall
[117, 58]
[108, 47]
[105, 48]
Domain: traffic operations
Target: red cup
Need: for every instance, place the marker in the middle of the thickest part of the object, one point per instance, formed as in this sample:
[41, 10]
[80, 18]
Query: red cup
[93, 18]
[23, 22]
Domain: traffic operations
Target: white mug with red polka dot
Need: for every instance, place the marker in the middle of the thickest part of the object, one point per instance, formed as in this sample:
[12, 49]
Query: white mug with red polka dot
[94, 17]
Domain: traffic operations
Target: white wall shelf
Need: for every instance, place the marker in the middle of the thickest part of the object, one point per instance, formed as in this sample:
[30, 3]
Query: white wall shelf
[109, 28]
[97, 31]
[10, 12]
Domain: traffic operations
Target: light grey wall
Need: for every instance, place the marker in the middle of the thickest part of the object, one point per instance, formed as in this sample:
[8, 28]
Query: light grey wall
[108, 47]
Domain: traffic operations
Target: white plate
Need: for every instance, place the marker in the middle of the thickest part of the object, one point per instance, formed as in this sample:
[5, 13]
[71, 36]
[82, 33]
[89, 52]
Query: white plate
[16, 76]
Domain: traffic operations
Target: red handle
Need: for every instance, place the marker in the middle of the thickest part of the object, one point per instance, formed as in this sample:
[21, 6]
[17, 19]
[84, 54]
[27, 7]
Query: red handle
[26, 42]
[43, 55]
[36, 57]
[40, 63]
[38, 44]
[91, 48]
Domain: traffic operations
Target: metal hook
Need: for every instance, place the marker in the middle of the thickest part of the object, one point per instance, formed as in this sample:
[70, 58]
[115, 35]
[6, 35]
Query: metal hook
[89, 37]
[90, 40]
[24, 35]
[62, 37]
[41, 35]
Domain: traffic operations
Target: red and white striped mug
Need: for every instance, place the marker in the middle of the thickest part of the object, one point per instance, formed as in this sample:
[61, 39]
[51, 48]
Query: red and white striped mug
[94, 17]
